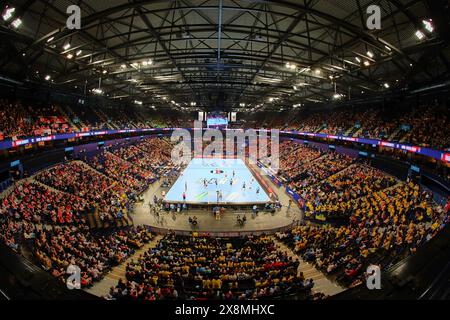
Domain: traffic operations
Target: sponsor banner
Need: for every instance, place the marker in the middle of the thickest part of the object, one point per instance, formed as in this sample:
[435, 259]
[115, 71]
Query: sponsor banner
[387, 144]
[100, 133]
[436, 154]
[446, 157]
[83, 134]
[296, 197]
[22, 142]
[43, 139]
[410, 148]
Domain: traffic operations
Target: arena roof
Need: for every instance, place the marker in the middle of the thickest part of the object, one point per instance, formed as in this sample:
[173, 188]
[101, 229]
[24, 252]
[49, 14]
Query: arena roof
[227, 53]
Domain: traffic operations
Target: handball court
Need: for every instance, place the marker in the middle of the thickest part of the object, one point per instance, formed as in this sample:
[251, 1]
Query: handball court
[264, 221]
[221, 181]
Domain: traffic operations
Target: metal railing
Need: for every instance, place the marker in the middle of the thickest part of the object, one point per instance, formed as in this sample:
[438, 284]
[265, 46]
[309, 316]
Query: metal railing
[226, 234]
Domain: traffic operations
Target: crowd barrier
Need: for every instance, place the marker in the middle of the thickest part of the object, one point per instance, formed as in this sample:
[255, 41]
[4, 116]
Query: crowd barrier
[226, 234]
[296, 197]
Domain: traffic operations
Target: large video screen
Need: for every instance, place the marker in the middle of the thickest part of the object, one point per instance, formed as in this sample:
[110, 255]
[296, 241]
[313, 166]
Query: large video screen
[217, 121]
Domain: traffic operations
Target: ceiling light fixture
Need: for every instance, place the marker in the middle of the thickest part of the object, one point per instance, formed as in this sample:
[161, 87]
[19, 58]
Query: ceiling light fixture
[291, 66]
[428, 25]
[17, 23]
[97, 91]
[8, 13]
[420, 35]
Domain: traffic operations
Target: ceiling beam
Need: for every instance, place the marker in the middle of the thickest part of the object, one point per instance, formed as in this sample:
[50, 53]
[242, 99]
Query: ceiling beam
[161, 43]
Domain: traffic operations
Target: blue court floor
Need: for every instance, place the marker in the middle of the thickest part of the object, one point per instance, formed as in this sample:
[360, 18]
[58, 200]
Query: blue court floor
[208, 181]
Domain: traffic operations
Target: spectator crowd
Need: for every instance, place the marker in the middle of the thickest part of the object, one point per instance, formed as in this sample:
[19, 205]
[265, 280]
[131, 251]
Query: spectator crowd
[211, 268]
[424, 125]
[366, 216]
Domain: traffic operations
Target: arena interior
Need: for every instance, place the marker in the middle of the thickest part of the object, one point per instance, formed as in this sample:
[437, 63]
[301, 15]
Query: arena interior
[120, 177]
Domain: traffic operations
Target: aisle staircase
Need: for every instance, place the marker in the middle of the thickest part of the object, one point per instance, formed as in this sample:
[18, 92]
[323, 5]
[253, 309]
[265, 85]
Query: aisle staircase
[394, 134]
[98, 223]
[95, 219]
[91, 220]
[358, 132]
[102, 116]
[90, 216]
[71, 114]
[336, 174]
[321, 283]
[102, 287]
[405, 138]
[68, 118]
[349, 131]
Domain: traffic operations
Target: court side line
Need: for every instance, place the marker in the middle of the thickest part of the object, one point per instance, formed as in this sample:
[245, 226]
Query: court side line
[201, 195]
